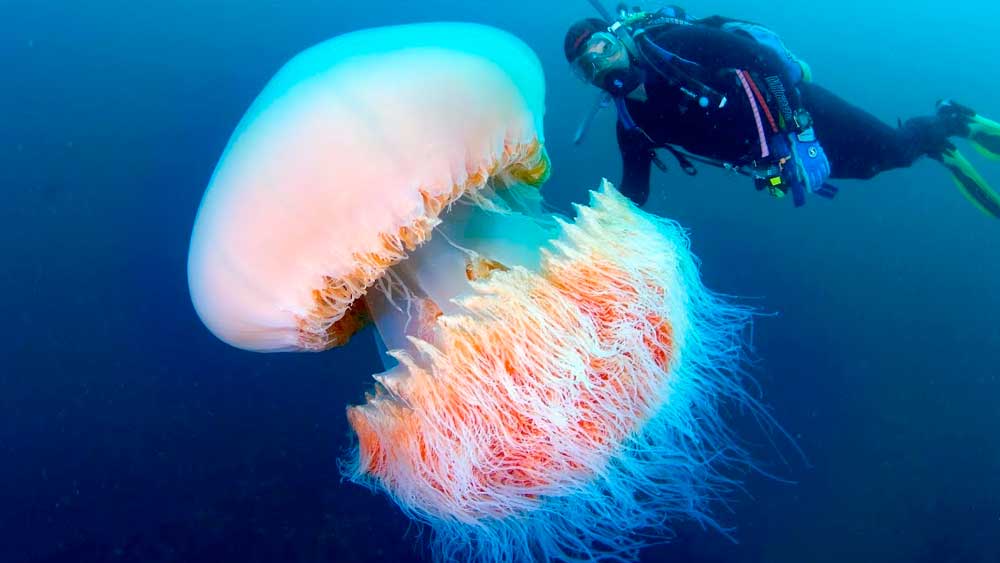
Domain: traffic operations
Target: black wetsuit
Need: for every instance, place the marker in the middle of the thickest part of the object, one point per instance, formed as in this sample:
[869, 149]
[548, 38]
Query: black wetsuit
[857, 144]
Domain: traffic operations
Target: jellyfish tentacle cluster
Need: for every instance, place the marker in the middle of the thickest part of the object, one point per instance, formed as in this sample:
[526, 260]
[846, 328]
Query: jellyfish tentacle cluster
[552, 387]
[562, 406]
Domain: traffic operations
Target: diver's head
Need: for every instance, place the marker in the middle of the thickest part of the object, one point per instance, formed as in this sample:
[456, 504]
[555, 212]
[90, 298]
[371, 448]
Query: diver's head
[599, 57]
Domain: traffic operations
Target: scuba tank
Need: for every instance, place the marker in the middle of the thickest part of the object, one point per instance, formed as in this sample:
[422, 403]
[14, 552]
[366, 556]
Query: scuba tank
[632, 24]
[798, 69]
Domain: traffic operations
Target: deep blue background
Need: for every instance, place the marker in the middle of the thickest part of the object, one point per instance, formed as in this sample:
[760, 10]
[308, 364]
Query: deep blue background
[128, 433]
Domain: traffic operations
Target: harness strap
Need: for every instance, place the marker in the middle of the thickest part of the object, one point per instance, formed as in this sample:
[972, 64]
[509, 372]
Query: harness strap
[765, 151]
[763, 104]
[629, 124]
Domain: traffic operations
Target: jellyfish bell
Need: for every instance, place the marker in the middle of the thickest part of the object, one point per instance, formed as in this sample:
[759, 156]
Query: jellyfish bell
[345, 163]
[551, 386]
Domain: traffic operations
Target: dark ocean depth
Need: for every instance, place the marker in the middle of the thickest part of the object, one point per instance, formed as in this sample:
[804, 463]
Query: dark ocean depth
[129, 433]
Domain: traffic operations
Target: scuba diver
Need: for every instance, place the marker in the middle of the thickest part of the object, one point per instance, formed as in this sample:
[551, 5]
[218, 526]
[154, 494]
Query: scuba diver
[729, 93]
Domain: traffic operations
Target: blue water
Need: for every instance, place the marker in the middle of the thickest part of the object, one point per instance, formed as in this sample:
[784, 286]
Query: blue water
[128, 433]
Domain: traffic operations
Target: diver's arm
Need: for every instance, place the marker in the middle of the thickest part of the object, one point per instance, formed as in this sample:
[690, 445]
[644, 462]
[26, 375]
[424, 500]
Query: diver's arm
[637, 159]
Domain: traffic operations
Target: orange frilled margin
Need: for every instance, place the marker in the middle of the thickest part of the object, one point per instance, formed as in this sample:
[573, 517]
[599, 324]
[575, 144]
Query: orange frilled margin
[339, 309]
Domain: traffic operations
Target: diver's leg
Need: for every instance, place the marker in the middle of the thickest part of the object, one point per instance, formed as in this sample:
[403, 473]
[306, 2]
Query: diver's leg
[858, 144]
[982, 132]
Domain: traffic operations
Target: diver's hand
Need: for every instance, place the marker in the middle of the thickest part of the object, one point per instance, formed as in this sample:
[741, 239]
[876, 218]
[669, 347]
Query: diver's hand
[812, 167]
[800, 166]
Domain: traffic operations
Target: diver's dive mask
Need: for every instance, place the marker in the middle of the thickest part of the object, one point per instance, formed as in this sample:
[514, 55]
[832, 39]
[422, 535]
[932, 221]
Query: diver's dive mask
[603, 54]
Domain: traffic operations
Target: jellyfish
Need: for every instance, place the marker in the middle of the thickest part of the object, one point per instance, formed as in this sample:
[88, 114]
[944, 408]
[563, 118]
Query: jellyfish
[552, 387]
